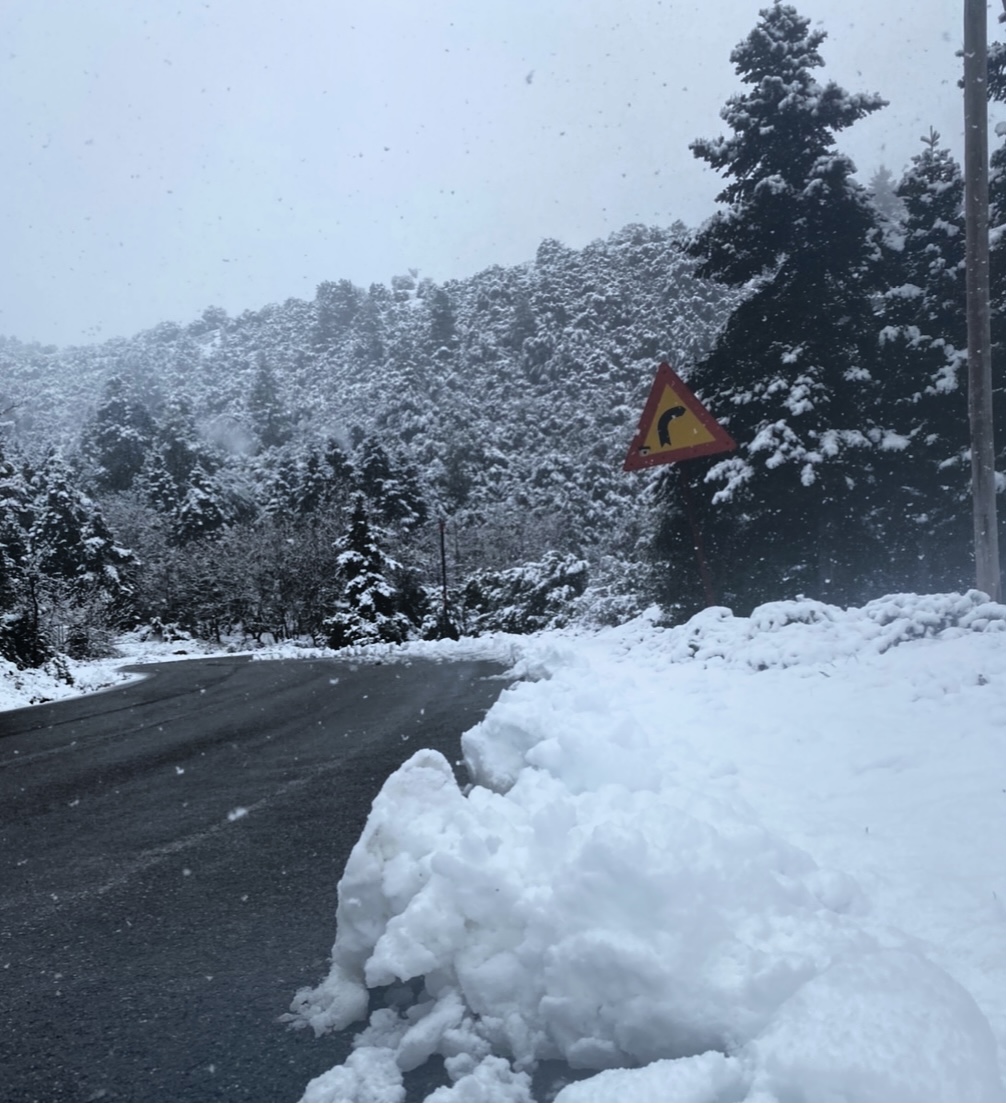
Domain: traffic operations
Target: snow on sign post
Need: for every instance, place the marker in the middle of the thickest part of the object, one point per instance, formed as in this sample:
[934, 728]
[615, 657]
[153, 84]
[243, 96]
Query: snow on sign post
[675, 426]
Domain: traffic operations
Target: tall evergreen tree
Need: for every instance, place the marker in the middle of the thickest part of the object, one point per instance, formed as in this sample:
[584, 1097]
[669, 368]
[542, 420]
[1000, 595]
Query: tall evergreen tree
[391, 484]
[793, 371]
[884, 194]
[119, 439]
[271, 420]
[72, 542]
[924, 382]
[199, 514]
[60, 567]
[336, 306]
[21, 640]
[369, 612]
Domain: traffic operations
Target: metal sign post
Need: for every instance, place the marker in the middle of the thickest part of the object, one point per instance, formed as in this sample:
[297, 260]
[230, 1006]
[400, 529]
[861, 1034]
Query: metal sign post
[976, 222]
[675, 426]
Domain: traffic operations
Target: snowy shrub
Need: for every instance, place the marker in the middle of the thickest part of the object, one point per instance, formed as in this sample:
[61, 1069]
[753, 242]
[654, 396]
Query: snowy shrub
[22, 643]
[526, 598]
[612, 597]
[89, 642]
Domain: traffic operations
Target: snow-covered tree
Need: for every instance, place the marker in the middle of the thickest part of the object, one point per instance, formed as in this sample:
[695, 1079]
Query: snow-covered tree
[368, 612]
[119, 439]
[268, 415]
[391, 484]
[60, 567]
[527, 598]
[924, 380]
[793, 372]
[21, 640]
[199, 515]
[884, 195]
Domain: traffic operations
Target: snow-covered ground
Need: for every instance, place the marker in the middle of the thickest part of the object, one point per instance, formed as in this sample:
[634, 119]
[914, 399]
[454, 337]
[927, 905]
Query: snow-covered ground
[64, 678]
[741, 859]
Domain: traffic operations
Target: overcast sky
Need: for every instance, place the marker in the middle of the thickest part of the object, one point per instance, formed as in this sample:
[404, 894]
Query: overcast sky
[162, 156]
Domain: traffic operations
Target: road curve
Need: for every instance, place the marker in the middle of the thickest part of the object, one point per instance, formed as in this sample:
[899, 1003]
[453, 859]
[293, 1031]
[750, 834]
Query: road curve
[169, 853]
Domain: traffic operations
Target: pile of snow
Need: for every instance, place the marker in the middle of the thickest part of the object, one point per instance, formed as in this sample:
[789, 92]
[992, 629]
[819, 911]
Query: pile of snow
[741, 859]
[502, 647]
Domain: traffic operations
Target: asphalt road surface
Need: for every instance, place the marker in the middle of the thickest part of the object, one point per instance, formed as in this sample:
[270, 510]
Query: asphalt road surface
[151, 934]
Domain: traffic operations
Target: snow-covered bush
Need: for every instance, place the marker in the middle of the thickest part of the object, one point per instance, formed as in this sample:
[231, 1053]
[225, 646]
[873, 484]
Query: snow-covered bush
[613, 596]
[23, 643]
[526, 598]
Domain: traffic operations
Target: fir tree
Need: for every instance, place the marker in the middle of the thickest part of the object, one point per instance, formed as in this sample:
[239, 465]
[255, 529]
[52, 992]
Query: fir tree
[22, 640]
[368, 612]
[73, 543]
[60, 567]
[884, 195]
[924, 348]
[181, 450]
[443, 321]
[792, 373]
[199, 514]
[336, 306]
[270, 419]
[391, 485]
[118, 440]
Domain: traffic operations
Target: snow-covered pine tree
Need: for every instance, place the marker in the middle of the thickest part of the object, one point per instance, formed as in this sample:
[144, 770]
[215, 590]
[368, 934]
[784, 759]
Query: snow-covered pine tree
[157, 486]
[181, 449]
[368, 612]
[119, 438]
[391, 484]
[73, 544]
[200, 514]
[336, 306]
[270, 419]
[884, 195]
[792, 374]
[924, 378]
[60, 568]
[527, 598]
[22, 639]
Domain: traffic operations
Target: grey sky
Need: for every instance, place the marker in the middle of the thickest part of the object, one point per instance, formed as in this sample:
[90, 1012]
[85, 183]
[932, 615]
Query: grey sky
[162, 156]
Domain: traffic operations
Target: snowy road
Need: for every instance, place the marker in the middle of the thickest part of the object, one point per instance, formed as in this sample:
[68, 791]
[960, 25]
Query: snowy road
[169, 854]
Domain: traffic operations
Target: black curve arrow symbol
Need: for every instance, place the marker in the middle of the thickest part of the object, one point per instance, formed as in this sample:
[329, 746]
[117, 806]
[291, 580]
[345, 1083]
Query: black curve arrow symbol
[664, 424]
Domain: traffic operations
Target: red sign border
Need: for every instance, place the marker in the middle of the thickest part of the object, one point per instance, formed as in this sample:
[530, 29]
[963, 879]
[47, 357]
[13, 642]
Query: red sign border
[722, 441]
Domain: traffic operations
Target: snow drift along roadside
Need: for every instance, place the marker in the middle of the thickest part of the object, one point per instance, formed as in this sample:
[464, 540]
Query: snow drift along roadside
[705, 859]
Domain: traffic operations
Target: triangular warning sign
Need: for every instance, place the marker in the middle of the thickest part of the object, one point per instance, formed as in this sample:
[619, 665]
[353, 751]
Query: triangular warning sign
[674, 426]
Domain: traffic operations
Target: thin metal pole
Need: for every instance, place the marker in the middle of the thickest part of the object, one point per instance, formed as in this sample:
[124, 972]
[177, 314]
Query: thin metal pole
[700, 551]
[976, 211]
[443, 566]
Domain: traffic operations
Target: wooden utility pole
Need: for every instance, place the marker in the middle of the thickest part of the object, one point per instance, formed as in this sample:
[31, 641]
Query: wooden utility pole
[976, 217]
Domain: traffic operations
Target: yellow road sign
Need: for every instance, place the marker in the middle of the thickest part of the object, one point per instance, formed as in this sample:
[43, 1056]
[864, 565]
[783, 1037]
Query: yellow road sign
[674, 426]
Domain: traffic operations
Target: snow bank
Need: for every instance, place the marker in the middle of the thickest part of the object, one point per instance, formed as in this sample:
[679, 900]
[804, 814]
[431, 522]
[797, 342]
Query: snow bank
[63, 677]
[705, 859]
[58, 680]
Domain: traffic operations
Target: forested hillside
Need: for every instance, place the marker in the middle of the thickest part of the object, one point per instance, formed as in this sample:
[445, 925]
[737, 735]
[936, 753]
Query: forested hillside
[286, 472]
[502, 404]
